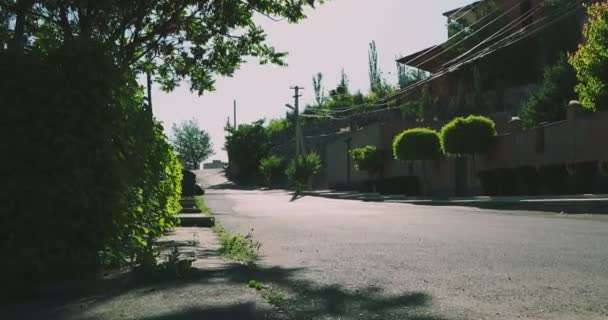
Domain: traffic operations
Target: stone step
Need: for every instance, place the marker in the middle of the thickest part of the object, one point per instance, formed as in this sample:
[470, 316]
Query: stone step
[196, 220]
[190, 210]
[187, 203]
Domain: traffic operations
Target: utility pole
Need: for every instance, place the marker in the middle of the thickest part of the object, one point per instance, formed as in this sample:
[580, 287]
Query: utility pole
[235, 114]
[299, 139]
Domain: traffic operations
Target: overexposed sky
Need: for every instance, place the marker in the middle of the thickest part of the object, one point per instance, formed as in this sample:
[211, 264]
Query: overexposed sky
[334, 36]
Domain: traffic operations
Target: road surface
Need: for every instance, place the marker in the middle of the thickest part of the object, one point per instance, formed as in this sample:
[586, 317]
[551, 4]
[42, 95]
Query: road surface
[342, 259]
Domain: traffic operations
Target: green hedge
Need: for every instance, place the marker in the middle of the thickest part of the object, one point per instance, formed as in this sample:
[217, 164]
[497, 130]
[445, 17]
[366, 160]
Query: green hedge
[470, 135]
[88, 179]
[417, 144]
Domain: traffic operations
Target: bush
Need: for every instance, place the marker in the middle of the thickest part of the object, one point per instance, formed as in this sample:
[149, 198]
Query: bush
[417, 144]
[246, 147]
[88, 179]
[272, 169]
[302, 168]
[369, 159]
[591, 60]
[470, 135]
[548, 102]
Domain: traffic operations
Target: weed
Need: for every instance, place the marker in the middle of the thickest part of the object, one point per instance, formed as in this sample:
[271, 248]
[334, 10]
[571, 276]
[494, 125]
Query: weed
[238, 247]
[274, 297]
[254, 284]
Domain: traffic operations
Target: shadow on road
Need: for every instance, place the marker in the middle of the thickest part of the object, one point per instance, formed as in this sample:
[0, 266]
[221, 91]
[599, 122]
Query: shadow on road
[303, 299]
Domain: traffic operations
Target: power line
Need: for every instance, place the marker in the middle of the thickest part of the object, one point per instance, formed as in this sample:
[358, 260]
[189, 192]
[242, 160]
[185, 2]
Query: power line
[468, 36]
[463, 31]
[455, 66]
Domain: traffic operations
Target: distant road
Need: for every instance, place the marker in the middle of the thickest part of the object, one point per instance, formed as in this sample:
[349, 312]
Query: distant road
[364, 260]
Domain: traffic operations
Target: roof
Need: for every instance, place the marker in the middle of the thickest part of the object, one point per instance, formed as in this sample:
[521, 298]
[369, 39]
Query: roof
[429, 59]
[467, 7]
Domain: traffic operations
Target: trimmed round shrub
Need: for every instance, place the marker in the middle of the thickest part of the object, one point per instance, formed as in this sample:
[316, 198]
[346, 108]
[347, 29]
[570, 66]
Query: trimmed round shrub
[417, 144]
[470, 135]
[369, 159]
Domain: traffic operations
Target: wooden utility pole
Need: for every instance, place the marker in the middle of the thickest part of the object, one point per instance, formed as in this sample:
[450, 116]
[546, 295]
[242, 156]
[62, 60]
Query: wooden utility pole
[235, 114]
[298, 132]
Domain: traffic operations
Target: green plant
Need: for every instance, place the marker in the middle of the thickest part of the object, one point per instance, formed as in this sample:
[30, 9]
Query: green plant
[302, 168]
[107, 182]
[548, 102]
[272, 168]
[470, 135]
[369, 159]
[417, 144]
[246, 147]
[191, 143]
[274, 297]
[199, 202]
[254, 284]
[591, 60]
[150, 35]
[238, 247]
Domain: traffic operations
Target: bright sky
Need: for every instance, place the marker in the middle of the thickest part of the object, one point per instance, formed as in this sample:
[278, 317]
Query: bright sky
[334, 36]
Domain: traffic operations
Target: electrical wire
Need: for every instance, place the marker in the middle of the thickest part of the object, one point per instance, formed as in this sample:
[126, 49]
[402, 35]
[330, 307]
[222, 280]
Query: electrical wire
[463, 31]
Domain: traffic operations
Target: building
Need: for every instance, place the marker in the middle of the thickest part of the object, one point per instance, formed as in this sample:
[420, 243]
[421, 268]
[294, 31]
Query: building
[215, 164]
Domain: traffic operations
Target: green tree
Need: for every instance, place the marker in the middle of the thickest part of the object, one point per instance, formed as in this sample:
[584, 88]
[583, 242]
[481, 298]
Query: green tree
[591, 60]
[417, 144]
[547, 103]
[173, 40]
[317, 84]
[371, 160]
[191, 143]
[377, 83]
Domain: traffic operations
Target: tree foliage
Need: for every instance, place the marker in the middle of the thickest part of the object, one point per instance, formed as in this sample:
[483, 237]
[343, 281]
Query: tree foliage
[591, 60]
[317, 84]
[369, 159]
[417, 144]
[548, 102]
[191, 143]
[302, 168]
[377, 83]
[246, 147]
[470, 135]
[88, 178]
[272, 169]
[174, 40]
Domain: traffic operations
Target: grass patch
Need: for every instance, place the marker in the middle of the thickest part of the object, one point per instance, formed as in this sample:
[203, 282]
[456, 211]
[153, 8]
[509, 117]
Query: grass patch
[199, 202]
[237, 247]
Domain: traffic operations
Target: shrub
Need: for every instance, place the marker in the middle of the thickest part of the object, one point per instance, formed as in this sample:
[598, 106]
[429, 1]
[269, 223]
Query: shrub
[246, 147]
[88, 177]
[302, 168]
[470, 135]
[591, 60]
[547, 103]
[417, 144]
[272, 169]
[369, 159]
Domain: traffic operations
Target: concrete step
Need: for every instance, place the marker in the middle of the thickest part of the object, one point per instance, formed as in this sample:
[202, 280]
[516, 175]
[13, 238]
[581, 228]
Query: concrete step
[187, 203]
[196, 220]
[190, 210]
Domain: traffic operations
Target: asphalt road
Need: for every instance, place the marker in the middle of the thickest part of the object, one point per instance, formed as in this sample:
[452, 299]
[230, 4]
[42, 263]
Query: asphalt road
[342, 259]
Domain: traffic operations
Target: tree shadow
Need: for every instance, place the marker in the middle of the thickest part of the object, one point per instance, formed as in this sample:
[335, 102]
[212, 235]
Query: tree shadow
[304, 298]
[568, 207]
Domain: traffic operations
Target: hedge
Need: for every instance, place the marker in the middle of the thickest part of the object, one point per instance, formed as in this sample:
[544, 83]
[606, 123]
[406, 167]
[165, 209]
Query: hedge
[417, 144]
[470, 135]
